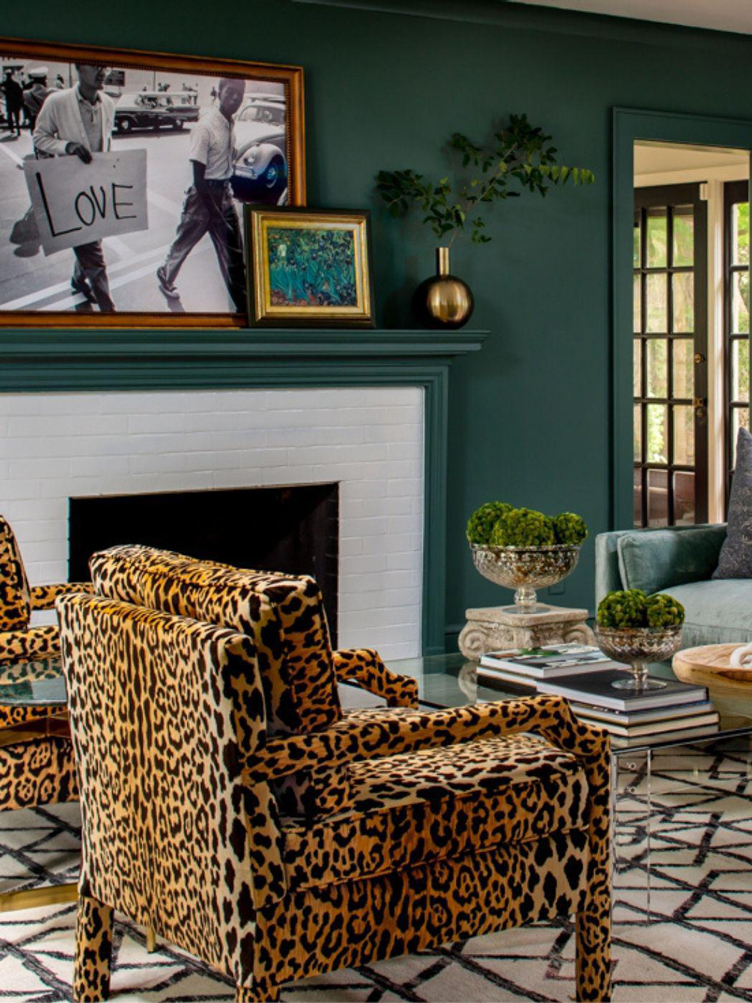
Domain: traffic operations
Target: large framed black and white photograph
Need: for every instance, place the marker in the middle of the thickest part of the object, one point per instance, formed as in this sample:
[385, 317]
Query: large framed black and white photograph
[123, 177]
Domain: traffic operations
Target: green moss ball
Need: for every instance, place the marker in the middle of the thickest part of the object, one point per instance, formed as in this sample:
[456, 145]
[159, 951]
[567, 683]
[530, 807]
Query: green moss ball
[664, 611]
[570, 528]
[483, 520]
[523, 527]
[627, 608]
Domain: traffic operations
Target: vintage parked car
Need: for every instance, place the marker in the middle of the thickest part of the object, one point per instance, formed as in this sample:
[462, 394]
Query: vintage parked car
[261, 165]
[155, 110]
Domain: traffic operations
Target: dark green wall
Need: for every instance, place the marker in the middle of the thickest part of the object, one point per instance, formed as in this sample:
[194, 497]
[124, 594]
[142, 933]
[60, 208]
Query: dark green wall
[529, 415]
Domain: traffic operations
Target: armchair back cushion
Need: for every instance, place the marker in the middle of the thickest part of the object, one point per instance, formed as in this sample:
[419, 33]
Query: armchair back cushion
[284, 614]
[162, 709]
[15, 596]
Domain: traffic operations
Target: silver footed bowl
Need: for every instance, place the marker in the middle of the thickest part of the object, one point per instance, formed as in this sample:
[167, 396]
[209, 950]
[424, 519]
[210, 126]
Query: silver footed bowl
[526, 569]
[637, 647]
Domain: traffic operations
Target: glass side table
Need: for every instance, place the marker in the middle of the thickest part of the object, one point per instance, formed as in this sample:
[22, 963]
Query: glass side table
[649, 783]
[37, 686]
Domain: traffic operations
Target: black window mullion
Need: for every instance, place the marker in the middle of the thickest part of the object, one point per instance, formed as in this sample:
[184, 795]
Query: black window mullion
[644, 359]
[735, 192]
[671, 515]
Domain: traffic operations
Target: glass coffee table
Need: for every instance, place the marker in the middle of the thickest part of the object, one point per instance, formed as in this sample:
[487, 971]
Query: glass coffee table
[666, 783]
[451, 681]
[36, 686]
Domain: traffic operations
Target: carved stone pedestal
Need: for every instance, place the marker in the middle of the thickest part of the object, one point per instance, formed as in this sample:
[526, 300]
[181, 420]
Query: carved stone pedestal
[495, 627]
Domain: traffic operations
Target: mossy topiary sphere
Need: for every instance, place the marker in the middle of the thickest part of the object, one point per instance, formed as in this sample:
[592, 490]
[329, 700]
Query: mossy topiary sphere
[523, 527]
[483, 520]
[664, 611]
[570, 528]
[627, 608]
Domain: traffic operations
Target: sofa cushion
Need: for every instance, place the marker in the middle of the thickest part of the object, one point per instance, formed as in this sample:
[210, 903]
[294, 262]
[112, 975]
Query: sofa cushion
[664, 558]
[15, 599]
[716, 611]
[439, 803]
[283, 613]
[735, 560]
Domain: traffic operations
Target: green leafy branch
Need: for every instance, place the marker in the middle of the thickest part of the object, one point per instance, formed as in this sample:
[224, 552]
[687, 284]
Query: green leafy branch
[520, 157]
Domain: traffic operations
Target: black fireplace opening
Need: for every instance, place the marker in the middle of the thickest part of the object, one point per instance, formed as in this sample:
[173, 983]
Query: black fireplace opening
[293, 529]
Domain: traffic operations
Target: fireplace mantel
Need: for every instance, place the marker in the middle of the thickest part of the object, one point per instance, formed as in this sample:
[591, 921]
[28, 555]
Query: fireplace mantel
[50, 361]
[56, 360]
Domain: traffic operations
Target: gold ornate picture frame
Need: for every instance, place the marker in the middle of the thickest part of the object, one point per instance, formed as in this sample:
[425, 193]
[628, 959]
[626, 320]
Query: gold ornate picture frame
[309, 267]
[148, 104]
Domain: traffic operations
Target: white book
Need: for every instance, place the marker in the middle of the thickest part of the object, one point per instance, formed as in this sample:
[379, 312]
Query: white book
[686, 734]
[548, 662]
[628, 718]
[656, 727]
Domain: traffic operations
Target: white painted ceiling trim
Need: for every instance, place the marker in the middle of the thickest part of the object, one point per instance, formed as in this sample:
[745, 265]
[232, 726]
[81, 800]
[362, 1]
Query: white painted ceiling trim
[717, 15]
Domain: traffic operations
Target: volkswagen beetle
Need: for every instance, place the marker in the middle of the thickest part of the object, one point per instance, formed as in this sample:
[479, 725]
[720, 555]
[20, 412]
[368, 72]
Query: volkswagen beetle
[260, 173]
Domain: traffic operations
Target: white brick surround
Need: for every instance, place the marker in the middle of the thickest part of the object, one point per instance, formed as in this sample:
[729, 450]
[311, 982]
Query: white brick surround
[370, 440]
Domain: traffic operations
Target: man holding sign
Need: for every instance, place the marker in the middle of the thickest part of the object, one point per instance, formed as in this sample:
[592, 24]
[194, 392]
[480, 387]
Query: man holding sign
[78, 121]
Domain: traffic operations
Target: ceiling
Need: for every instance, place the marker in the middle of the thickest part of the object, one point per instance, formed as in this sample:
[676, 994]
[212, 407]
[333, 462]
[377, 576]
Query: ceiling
[658, 158]
[720, 15]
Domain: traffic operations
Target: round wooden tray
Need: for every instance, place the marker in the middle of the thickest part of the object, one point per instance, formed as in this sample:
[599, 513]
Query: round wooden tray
[709, 666]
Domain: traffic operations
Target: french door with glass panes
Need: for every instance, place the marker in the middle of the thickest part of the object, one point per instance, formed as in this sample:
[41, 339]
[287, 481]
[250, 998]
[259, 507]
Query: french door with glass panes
[736, 313]
[670, 356]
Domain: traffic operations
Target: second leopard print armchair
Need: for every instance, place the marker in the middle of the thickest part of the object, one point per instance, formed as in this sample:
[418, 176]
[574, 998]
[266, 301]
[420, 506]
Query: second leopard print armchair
[36, 769]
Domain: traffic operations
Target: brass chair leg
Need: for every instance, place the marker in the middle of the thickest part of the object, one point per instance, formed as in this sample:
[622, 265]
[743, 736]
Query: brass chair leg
[93, 961]
[34, 897]
[151, 940]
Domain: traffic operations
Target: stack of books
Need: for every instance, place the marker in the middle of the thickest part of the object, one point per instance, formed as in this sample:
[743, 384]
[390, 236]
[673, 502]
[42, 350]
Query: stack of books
[581, 673]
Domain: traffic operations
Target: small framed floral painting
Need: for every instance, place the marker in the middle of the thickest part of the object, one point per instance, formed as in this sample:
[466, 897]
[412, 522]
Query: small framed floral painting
[309, 267]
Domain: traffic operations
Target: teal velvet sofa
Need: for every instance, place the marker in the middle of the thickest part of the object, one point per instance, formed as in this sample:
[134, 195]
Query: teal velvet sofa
[679, 560]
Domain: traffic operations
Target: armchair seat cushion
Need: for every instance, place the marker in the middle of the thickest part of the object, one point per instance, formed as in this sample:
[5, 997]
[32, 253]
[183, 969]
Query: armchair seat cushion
[441, 802]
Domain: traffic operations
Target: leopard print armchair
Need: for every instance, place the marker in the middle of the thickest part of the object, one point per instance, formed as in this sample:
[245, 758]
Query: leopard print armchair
[450, 824]
[36, 769]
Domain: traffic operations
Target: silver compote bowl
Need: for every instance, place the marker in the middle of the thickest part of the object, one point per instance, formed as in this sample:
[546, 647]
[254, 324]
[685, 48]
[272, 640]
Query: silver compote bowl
[525, 569]
[637, 647]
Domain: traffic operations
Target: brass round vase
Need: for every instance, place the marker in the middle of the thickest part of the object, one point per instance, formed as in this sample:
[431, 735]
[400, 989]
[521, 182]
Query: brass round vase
[443, 301]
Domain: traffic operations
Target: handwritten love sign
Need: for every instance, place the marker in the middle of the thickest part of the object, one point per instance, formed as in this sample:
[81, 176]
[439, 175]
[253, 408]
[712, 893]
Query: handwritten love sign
[76, 203]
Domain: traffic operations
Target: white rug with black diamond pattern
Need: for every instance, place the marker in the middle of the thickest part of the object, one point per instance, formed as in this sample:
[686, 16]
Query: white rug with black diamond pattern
[695, 944]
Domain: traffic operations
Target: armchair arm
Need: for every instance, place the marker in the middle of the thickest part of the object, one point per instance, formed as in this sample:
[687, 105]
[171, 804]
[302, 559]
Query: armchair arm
[364, 667]
[392, 735]
[44, 596]
[32, 643]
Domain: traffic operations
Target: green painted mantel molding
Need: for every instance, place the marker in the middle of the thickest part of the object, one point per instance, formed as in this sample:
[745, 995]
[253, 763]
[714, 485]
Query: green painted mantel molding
[54, 361]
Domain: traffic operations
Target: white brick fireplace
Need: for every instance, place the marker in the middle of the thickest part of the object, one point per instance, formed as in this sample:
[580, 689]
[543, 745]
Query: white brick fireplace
[54, 446]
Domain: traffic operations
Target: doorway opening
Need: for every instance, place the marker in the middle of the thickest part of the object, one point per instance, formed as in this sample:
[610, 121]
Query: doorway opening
[690, 328]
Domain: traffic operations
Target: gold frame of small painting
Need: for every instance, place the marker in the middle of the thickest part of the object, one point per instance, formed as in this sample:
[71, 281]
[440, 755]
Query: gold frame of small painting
[309, 267]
